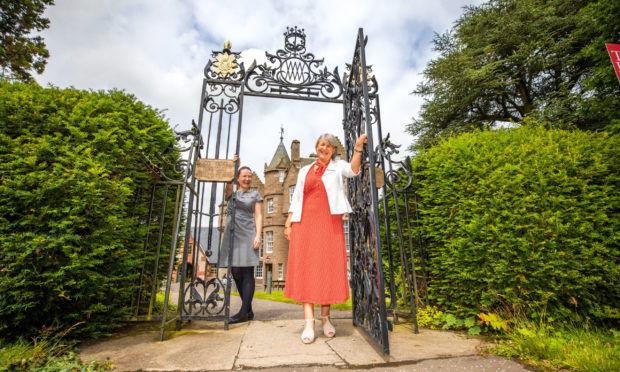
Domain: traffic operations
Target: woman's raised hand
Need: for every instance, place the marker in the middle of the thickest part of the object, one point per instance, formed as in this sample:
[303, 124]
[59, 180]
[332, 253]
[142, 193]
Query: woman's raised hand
[229, 184]
[359, 144]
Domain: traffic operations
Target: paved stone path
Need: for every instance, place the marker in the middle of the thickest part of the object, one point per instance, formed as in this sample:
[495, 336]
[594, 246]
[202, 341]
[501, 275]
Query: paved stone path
[272, 341]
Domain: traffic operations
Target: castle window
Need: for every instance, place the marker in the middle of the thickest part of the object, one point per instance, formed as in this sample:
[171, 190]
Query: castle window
[280, 271]
[269, 205]
[281, 177]
[269, 241]
[291, 191]
[259, 272]
[253, 188]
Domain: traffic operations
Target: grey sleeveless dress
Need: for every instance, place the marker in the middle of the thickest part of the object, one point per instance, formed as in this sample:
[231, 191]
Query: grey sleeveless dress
[243, 252]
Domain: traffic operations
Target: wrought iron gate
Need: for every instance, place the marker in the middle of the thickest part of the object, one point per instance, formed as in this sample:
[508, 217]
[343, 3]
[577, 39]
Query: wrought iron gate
[399, 200]
[369, 310]
[294, 73]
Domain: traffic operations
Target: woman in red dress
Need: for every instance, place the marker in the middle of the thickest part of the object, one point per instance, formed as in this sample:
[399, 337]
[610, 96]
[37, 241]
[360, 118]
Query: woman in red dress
[317, 261]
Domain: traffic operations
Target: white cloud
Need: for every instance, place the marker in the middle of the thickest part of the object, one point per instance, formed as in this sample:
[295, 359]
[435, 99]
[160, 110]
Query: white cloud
[157, 50]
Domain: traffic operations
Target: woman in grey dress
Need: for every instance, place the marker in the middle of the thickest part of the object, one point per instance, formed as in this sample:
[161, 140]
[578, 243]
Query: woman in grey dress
[247, 238]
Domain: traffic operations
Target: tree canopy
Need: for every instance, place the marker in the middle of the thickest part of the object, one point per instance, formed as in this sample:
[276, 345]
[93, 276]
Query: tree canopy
[21, 52]
[506, 60]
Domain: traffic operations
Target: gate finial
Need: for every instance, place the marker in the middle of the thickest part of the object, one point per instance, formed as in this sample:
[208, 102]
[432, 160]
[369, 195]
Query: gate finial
[226, 63]
[295, 40]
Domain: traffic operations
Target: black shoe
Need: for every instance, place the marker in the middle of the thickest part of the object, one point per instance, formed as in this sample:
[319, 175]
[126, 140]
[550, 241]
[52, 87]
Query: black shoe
[238, 319]
[251, 315]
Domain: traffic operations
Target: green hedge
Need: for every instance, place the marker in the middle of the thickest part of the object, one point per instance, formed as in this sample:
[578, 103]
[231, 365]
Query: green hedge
[523, 222]
[73, 182]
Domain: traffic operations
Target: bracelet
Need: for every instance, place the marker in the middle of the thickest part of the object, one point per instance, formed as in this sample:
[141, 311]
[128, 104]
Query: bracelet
[356, 150]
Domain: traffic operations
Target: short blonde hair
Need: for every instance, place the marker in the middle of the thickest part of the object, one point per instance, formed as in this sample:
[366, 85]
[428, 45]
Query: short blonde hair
[332, 140]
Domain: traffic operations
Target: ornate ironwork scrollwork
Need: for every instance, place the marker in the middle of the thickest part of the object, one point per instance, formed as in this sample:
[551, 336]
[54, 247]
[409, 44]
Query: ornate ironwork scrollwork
[203, 299]
[230, 105]
[356, 79]
[294, 73]
[169, 162]
[398, 175]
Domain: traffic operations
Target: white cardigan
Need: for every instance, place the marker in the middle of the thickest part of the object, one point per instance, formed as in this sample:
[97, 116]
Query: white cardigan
[333, 180]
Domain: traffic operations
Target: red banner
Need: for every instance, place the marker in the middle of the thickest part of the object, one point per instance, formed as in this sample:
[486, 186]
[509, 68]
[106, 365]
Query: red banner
[614, 54]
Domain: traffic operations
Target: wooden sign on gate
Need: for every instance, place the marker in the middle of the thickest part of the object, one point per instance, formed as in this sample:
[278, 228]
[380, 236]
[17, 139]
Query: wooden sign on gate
[215, 170]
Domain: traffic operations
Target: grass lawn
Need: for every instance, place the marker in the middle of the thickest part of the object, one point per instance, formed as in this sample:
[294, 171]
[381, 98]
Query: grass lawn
[566, 347]
[279, 296]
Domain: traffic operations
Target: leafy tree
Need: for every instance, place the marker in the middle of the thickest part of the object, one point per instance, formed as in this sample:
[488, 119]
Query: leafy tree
[74, 180]
[509, 59]
[19, 51]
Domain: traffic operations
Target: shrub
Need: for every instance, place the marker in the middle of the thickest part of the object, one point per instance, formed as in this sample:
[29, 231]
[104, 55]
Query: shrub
[574, 347]
[73, 182]
[430, 317]
[523, 221]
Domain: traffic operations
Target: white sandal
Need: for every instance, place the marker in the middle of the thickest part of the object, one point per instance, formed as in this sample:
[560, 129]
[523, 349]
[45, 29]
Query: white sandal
[328, 328]
[307, 336]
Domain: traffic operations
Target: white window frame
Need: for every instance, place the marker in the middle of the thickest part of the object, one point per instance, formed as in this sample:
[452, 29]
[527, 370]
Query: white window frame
[291, 191]
[269, 242]
[259, 272]
[270, 205]
[280, 271]
[345, 227]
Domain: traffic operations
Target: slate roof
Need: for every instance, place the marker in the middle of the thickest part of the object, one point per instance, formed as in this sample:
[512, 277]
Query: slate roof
[280, 159]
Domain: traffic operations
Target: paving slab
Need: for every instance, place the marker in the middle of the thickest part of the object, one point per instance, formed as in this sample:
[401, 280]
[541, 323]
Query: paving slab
[476, 363]
[278, 343]
[209, 348]
[272, 341]
[352, 346]
[405, 345]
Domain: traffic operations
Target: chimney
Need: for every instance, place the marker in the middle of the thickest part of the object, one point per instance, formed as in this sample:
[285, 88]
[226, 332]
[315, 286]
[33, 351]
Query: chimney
[295, 152]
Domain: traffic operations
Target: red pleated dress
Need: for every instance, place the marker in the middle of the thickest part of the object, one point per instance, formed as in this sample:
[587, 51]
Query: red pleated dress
[317, 260]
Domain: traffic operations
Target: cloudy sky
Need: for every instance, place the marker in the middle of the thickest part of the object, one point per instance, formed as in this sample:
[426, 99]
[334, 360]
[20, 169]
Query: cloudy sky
[157, 50]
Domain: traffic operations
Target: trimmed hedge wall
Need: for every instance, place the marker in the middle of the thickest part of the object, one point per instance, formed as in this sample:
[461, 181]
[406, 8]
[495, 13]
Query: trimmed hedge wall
[72, 185]
[523, 222]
